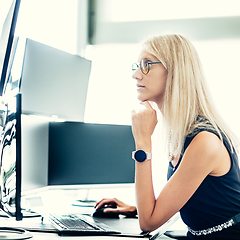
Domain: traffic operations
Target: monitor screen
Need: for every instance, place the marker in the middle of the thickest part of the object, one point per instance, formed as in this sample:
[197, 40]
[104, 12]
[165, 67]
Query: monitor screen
[85, 153]
[47, 71]
[13, 80]
[10, 157]
[7, 41]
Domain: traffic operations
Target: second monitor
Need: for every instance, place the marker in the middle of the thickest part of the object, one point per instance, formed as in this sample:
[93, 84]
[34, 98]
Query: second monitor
[85, 153]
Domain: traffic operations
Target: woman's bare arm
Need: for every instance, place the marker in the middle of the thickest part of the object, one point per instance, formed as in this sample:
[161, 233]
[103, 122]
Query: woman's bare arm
[203, 157]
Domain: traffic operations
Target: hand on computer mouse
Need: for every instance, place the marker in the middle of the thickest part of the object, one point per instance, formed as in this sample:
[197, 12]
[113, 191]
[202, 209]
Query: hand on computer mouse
[101, 212]
[116, 206]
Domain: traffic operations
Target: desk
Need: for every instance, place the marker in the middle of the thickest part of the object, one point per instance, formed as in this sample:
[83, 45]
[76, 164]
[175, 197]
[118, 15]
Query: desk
[61, 200]
[52, 236]
[124, 224]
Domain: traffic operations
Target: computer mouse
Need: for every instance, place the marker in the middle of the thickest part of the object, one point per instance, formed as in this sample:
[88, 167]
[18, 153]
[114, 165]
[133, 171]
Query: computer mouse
[99, 213]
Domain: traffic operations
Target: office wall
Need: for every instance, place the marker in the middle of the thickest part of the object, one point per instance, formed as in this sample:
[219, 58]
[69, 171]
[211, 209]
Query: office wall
[130, 21]
[118, 26]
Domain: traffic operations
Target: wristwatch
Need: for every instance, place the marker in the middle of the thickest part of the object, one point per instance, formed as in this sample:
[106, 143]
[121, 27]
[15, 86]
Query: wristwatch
[141, 156]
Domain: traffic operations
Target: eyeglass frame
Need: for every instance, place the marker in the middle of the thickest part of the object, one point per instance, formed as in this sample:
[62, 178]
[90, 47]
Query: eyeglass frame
[139, 65]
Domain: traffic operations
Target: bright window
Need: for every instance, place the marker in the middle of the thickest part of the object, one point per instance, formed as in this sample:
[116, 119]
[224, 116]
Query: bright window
[51, 22]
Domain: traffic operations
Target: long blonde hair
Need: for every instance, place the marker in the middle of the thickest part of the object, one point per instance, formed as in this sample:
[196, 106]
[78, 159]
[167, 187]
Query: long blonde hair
[186, 94]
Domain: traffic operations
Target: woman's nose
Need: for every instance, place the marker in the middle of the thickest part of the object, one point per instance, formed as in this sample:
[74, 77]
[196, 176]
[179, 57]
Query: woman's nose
[137, 74]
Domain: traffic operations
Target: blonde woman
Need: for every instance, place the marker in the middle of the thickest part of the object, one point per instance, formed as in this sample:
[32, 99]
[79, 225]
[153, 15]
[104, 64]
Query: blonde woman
[203, 174]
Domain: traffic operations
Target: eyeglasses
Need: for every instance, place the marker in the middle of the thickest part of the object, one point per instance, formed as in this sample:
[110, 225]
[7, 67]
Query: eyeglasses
[144, 66]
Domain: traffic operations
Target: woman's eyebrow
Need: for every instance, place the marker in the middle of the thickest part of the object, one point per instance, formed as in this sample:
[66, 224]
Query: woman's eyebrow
[151, 59]
[147, 59]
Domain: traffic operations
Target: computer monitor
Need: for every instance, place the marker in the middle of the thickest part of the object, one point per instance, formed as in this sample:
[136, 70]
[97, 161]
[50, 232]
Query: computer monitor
[53, 82]
[10, 157]
[88, 154]
[14, 73]
[7, 41]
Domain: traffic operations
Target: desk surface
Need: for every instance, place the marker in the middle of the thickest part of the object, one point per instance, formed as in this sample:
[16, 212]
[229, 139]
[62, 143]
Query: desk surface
[63, 201]
[52, 236]
[126, 225]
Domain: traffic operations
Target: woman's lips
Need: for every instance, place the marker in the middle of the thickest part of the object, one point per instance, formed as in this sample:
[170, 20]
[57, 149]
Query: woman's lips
[140, 86]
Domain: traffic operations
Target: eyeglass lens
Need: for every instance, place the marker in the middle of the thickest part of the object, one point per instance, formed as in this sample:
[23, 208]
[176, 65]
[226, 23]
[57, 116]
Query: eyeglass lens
[144, 66]
[135, 66]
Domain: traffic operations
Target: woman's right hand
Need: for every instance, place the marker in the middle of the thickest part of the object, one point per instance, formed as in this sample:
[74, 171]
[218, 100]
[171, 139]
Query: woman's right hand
[116, 206]
[143, 125]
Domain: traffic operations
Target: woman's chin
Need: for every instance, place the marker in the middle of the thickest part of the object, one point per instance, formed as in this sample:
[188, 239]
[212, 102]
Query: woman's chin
[142, 98]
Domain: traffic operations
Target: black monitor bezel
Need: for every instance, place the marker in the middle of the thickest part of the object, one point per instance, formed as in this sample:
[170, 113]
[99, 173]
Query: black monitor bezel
[18, 213]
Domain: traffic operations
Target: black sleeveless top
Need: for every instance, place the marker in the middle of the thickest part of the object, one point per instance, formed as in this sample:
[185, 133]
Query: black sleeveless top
[216, 200]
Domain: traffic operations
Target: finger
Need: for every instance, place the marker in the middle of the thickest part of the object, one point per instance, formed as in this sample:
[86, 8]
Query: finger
[111, 210]
[97, 204]
[147, 105]
[105, 202]
[133, 112]
[118, 202]
[101, 203]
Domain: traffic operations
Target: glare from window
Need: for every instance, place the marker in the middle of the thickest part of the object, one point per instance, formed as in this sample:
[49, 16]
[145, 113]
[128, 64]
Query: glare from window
[112, 91]
[53, 23]
[142, 10]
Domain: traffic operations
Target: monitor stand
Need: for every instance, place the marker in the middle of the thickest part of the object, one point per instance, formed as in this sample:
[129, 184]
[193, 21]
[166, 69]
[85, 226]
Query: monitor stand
[85, 202]
[29, 214]
[25, 213]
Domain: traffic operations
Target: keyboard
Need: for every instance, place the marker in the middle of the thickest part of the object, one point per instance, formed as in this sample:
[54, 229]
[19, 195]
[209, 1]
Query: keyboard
[79, 225]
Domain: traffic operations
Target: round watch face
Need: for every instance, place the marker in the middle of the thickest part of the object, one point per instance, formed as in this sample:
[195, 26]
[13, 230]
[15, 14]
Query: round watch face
[140, 156]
